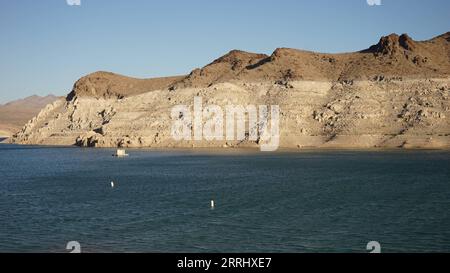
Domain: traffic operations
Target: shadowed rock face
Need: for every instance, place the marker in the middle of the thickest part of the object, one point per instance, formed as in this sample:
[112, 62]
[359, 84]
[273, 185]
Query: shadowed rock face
[392, 44]
[393, 94]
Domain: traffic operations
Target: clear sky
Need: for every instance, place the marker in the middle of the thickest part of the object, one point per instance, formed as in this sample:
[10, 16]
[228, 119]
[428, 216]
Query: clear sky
[46, 44]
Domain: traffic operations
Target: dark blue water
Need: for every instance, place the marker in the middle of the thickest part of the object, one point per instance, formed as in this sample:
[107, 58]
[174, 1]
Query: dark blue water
[328, 201]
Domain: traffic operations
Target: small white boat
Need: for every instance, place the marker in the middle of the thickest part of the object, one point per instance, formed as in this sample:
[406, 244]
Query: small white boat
[120, 153]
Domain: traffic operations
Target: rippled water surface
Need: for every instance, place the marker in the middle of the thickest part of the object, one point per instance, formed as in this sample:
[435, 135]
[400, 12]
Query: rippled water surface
[322, 201]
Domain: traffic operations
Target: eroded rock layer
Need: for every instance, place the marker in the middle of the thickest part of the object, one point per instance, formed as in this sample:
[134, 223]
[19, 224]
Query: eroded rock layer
[363, 114]
[394, 94]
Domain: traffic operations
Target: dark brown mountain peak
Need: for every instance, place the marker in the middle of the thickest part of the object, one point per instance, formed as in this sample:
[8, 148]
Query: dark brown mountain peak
[238, 59]
[406, 42]
[445, 36]
[392, 44]
[283, 52]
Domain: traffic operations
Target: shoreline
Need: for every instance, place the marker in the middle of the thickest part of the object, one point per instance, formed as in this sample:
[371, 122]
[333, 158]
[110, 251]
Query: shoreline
[244, 150]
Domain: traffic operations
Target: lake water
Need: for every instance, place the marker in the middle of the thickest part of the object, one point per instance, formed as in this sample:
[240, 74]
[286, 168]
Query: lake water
[310, 201]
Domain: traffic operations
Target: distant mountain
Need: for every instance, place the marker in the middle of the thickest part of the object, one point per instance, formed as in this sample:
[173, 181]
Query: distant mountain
[15, 114]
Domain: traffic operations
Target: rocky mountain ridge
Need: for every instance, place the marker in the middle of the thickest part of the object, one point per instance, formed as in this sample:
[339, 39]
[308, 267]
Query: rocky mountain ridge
[393, 94]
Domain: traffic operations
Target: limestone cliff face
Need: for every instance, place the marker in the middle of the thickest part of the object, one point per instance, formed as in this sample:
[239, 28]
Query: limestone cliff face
[394, 94]
[363, 114]
[15, 114]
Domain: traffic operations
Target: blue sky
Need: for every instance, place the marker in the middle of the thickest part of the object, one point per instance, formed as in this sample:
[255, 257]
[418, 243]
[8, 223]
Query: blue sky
[46, 44]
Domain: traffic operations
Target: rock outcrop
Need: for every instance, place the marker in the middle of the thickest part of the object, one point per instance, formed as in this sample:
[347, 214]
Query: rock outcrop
[394, 94]
[15, 114]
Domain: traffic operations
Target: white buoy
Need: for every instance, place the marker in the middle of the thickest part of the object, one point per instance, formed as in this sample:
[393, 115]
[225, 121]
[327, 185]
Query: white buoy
[212, 204]
[112, 184]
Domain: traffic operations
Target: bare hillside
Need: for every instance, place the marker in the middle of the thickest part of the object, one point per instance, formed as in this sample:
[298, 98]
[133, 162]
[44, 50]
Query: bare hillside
[15, 114]
[393, 94]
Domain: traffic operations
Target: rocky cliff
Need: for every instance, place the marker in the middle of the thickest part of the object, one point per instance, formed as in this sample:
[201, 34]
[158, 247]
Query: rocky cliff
[15, 114]
[393, 94]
